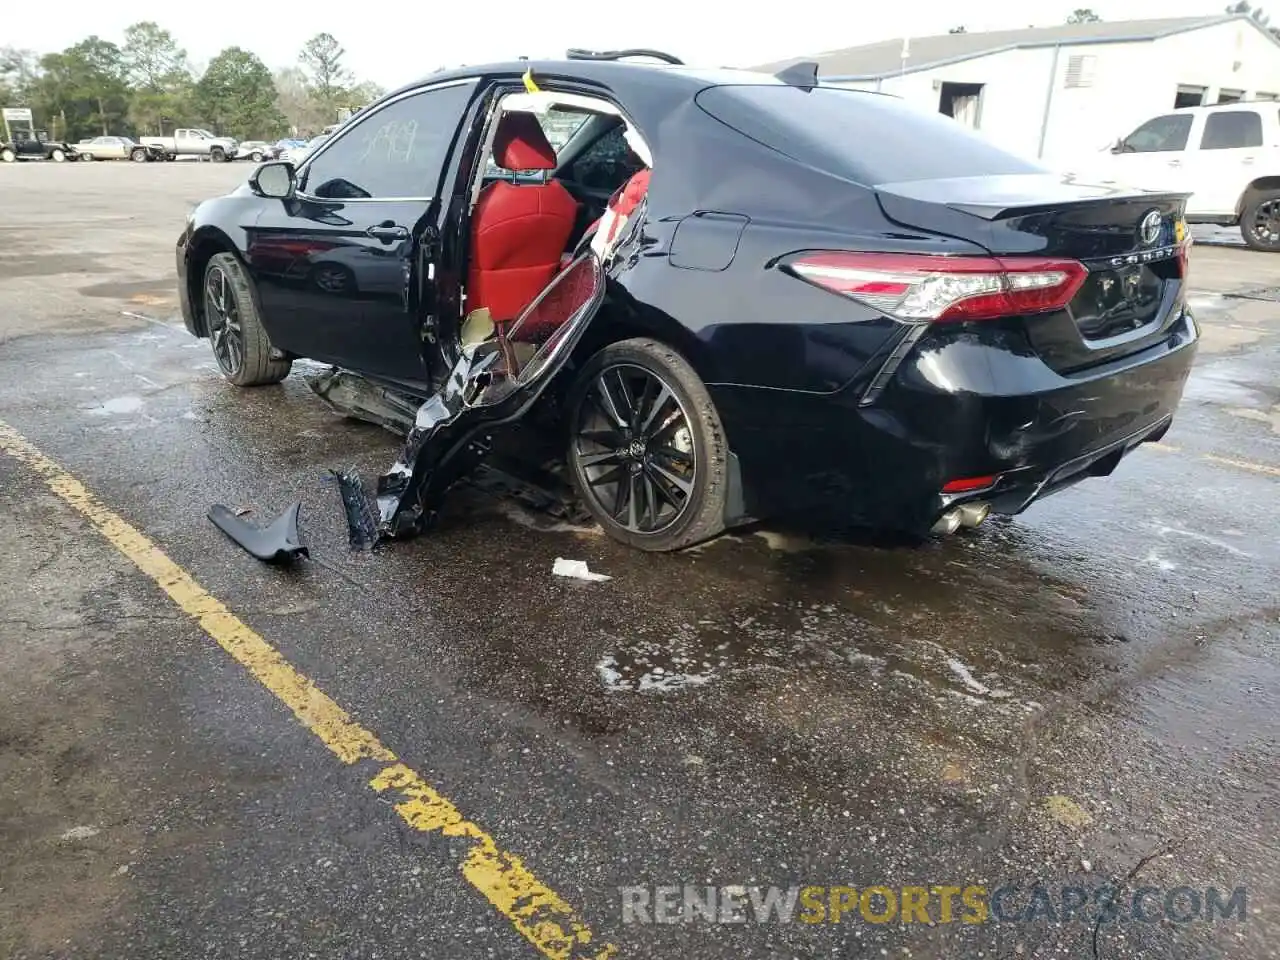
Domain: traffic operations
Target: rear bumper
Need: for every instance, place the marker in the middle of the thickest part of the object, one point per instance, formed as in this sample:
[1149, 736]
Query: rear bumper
[968, 408]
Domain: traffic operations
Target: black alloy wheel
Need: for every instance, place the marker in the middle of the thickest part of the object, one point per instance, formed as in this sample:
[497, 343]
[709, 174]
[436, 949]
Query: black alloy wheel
[222, 316]
[240, 343]
[1260, 222]
[646, 448]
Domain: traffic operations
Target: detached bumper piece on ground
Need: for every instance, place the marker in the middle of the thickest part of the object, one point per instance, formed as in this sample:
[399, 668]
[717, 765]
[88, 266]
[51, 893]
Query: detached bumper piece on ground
[278, 542]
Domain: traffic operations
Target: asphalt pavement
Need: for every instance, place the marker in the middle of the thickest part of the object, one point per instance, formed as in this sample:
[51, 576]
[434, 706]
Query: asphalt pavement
[440, 750]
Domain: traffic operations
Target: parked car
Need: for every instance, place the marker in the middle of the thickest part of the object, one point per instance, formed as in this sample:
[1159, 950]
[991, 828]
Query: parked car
[257, 151]
[118, 148]
[191, 142]
[1226, 156]
[296, 154]
[38, 147]
[826, 303]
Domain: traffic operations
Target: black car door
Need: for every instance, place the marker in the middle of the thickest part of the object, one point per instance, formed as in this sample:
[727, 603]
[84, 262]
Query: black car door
[343, 268]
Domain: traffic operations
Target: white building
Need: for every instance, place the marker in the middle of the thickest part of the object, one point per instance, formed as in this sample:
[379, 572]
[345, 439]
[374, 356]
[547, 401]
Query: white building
[1058, 93]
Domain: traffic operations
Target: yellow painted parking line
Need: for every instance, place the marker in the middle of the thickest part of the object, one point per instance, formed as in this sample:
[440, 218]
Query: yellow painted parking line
[1249, 465]
[541, 916]
[1242, 464]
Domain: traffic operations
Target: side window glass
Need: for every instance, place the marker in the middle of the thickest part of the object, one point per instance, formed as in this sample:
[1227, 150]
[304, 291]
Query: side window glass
[1232, 129]
[606, 163]
[1159, 135]
[399, 151]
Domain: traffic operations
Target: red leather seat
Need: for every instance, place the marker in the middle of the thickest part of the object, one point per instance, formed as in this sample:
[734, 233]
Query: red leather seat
[518, 231]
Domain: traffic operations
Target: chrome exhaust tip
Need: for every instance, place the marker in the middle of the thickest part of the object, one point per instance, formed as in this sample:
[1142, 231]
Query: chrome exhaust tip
[948, 523]
[972, 514]
[967, 515]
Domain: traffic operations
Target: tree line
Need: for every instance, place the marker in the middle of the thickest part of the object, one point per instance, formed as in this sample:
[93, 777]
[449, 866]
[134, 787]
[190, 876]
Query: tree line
[147, 85]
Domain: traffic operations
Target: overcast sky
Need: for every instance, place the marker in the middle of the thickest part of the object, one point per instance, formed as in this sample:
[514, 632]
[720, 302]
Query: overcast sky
[393, 43]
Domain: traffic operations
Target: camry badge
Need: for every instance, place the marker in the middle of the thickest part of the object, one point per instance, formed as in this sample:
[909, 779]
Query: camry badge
[1149, 229]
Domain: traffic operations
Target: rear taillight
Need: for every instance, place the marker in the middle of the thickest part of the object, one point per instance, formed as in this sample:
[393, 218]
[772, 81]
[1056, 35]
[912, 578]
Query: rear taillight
[924, 287]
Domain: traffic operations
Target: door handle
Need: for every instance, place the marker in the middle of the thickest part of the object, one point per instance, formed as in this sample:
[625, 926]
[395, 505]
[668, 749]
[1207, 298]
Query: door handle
[387, 231]
[1175, 163]
[1248, 159]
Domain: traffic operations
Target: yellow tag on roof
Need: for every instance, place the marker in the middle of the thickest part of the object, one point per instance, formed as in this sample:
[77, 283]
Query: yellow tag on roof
[529, 83]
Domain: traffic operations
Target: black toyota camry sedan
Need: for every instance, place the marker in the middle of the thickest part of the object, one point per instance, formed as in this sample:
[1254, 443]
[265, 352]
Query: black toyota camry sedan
[743, 295]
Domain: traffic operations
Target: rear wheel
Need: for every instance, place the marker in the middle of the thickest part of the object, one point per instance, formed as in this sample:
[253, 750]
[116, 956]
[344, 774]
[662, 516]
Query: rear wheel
[647, 452]
[1260, 221]
[240, 343]
[58, 155]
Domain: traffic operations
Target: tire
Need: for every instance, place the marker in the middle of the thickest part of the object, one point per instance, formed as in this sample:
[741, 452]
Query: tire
[256, 156]
[58, 155]
[170, 157]
[1260, 221]
[7, 155]
[250, 365]
[138, 155]
[599, 449]
[86, 158]
[217, 155]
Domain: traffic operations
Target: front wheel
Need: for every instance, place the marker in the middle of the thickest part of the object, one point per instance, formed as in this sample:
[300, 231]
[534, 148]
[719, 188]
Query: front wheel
[240, 343]
[138, 156]
[256, 156]
[58, 156]
[1260, 221]
[86, 158]
[647, 451]
[7, 156]
[217, 155]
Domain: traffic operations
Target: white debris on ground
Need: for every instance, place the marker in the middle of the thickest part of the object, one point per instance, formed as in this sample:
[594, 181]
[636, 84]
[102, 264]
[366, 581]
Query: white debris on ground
[79, 833]
[972, 683]
[654, 678]
[576, 569]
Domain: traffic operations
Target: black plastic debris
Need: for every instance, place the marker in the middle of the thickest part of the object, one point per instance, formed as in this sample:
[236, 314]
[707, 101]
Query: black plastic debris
[278, 542]
[493, 383]
[360, 508]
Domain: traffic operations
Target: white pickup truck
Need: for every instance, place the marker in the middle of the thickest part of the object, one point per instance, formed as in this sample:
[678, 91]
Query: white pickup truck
[193, 142]
[1227, 156]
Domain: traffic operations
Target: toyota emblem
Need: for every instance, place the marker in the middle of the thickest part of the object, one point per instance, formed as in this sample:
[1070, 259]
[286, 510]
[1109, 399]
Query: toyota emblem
[1149, 229]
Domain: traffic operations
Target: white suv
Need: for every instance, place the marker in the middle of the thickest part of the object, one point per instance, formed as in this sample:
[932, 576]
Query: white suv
[1226, 156]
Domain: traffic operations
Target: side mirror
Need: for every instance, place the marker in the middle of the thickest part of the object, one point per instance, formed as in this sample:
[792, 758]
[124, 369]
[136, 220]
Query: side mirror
[274, 180]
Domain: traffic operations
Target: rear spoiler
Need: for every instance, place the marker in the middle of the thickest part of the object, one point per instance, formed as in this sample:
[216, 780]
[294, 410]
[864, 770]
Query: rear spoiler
[997, 197]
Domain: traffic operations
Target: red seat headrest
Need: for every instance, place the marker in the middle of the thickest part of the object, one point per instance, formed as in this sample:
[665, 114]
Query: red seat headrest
[520, 143]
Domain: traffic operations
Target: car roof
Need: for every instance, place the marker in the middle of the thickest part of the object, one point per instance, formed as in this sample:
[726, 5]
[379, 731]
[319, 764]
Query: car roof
[607, 73]
[1234, 105]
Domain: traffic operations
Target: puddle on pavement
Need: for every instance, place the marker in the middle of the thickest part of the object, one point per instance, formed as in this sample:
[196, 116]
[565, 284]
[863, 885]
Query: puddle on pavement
[117, 406]
[773, 637]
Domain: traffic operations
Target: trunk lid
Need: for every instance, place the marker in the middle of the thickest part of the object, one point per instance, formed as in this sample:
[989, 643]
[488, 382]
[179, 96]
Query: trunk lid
[1132, 243]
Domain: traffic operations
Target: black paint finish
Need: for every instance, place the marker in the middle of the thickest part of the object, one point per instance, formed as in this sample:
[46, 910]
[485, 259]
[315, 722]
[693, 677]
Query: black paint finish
[789, 364]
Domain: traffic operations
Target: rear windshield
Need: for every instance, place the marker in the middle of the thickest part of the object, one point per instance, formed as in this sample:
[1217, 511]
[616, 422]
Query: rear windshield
[866, 137]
